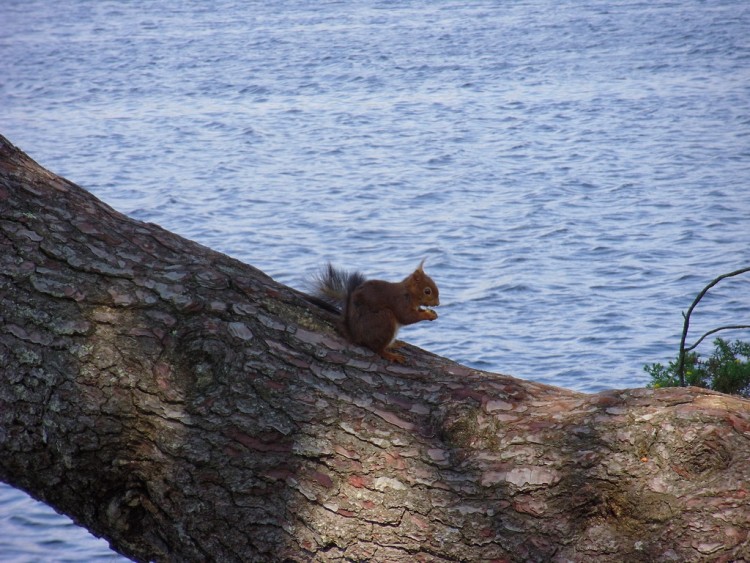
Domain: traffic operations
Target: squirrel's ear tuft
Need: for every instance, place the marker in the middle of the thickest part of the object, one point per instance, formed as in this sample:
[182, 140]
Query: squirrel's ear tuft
[420, 268]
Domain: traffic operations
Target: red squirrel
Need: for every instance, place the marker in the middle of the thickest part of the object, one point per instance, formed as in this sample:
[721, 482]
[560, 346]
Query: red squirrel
[372, 311]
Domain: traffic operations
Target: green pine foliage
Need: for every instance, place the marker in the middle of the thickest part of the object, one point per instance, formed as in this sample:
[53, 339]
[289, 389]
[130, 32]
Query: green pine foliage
[727, 369]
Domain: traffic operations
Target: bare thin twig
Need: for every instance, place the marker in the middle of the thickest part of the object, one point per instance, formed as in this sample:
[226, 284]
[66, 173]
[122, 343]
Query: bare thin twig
[710, 332]
[686, 324]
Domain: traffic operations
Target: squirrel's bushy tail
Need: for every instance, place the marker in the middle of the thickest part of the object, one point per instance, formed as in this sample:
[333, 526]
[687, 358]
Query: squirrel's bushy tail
[333, 285]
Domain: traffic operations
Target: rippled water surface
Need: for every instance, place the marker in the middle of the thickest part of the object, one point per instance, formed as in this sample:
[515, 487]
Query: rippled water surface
[574, 172]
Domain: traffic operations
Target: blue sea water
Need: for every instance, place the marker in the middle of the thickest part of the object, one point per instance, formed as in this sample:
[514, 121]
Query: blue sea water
[573, 172]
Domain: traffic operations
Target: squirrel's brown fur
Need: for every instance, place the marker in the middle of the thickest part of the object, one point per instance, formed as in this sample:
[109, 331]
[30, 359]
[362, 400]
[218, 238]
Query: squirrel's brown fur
[372, 311]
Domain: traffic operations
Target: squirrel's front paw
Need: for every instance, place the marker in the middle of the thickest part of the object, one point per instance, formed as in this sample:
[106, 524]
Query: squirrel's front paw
[430, 315]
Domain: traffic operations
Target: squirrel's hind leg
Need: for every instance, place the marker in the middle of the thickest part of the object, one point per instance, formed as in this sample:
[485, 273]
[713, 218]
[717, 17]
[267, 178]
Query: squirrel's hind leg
[392, 356]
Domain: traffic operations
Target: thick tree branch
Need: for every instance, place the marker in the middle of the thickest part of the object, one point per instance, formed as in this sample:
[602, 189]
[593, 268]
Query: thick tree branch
[186, 407]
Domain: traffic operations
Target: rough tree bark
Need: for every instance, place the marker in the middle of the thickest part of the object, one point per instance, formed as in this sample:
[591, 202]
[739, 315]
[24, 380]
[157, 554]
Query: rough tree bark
[186, 407]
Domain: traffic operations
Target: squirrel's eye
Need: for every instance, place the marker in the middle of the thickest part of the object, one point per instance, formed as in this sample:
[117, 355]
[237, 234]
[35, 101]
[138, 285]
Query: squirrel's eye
[427, 291]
